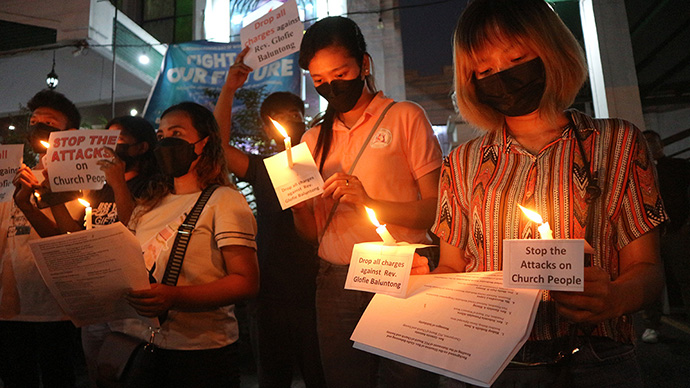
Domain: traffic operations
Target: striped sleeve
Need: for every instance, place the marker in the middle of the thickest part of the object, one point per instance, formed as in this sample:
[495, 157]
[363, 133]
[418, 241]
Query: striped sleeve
[450, 219]
[234, 222]
[641, 208]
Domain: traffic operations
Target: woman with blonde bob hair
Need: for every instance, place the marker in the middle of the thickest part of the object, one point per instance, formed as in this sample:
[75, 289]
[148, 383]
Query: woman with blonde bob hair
[536, 28]
[517, 68]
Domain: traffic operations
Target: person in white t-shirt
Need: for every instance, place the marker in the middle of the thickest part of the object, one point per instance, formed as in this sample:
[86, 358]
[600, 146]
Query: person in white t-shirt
[37, 340]
[196, 343]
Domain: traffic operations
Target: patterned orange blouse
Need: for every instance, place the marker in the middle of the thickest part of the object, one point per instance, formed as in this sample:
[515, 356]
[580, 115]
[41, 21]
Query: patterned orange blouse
[484, 180]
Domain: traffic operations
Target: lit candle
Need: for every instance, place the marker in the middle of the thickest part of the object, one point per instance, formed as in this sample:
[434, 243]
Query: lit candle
[543, 228]
[288, 143]
[45, 143]
[88, 222]
[380, 229]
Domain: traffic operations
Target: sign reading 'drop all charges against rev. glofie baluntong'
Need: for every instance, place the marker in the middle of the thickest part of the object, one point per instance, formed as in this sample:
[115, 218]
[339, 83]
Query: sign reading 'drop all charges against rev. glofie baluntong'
[272, 36]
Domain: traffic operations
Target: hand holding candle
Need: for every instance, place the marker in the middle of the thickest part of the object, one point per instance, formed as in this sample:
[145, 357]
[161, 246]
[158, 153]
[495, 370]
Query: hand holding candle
[543, 228]
[380, 229]
[88, 222]
[288, 143]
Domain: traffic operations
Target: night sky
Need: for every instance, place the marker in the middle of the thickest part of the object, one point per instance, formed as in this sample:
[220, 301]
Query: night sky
[427, 32]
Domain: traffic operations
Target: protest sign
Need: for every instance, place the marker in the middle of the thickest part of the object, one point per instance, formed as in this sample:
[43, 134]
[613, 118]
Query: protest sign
[72, 158]
[380, 268]
[272, 36]
[556, 265]
[10, 161]
[297, 183]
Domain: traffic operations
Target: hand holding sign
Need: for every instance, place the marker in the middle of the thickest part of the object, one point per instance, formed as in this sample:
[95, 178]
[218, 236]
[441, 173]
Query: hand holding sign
[594, 304]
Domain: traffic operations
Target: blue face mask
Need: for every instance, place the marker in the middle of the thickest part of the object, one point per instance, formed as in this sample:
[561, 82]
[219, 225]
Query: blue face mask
[175, 156]
[516, 91]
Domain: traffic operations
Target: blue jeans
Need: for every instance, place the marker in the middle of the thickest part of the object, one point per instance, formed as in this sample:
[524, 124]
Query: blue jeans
[600, 363]
[338, 311]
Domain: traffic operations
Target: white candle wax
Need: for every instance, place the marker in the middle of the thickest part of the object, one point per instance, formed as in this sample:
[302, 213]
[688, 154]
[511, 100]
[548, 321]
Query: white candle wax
[385, 235]
[88, 222]
[288, 149]
[545, 231]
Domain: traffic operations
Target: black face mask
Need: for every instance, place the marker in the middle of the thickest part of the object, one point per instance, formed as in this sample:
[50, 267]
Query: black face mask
[175, 156]
[122, 152]
[295, 129]
[40, 132]
[342, 95]
[516, 91]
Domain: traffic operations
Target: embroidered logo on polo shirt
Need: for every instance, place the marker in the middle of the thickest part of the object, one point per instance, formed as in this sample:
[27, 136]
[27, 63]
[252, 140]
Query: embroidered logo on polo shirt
[382, 138]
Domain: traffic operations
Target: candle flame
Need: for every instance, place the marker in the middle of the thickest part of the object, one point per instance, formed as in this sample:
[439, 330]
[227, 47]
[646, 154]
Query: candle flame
[532, 215]
[372, 217]
[37, 195]
[279, 127]
[45, 143]
[84, 202]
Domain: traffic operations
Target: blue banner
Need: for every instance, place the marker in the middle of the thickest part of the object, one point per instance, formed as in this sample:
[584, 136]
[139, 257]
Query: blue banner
[195, 71]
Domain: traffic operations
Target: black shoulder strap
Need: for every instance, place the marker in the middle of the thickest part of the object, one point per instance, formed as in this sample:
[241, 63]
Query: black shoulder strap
[184, 233]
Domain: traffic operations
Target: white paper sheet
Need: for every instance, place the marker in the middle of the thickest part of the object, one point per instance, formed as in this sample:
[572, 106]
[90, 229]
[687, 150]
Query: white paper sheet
[90, 271]
[464, 326]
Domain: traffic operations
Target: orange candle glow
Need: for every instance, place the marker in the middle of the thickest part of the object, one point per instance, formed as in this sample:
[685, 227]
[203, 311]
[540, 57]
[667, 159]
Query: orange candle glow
[380, 229]
[543, 228]
[88, 222]
[288, 143]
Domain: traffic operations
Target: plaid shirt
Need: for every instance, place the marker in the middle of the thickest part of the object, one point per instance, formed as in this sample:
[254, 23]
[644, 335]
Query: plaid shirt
[484, 180]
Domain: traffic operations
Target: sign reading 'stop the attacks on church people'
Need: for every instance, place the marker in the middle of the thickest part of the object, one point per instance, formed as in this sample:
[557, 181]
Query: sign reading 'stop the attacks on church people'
[272, 36]
[10, 160]
[72, 158]
[556, 265]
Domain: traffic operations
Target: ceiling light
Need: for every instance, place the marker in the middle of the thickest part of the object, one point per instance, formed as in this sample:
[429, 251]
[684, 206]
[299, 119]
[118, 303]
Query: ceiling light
[52, 77]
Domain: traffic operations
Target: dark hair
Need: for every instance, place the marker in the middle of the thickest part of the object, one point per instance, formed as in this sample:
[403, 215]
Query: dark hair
[280, 101]
[142, 131]
[332, 31]
[48, 98]
[210, 167]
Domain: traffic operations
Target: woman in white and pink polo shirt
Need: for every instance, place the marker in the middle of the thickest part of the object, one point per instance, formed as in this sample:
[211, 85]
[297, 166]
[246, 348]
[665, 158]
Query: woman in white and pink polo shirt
[396, 176]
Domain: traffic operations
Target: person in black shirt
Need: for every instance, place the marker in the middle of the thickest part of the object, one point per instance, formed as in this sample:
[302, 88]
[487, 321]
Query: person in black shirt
[285, 306]
[674, 184]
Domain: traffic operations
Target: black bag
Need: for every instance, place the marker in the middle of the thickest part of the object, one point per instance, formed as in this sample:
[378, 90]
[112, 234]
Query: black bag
[128, 362]
[125, 362]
